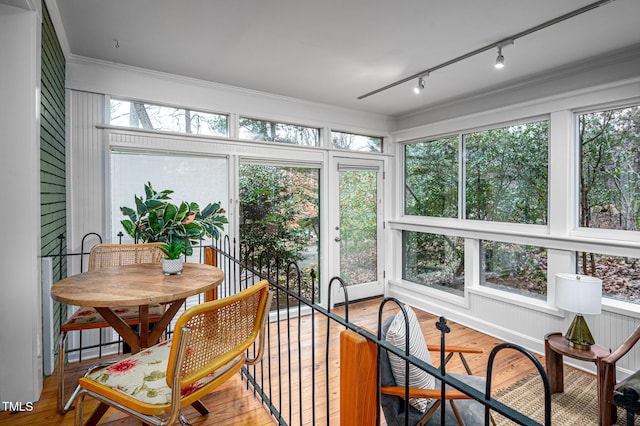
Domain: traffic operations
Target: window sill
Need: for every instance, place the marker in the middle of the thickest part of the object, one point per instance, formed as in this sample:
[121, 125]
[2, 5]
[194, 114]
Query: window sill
[621, 307]
[431, 292]
[517, 300]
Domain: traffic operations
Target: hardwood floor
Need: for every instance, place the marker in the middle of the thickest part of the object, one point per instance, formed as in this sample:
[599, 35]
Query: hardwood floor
[234, 404]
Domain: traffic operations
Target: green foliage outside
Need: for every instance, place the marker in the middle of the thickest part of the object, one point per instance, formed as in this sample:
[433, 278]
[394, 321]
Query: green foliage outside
[434, 260]
[358, 226]
[507, 174]
[610, 192]
[506, 180]
[610, 169]
[431, 178]
[278, 211]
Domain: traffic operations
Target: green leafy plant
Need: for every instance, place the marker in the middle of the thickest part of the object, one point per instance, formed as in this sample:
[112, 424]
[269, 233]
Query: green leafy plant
[155, 218]
[173, 250]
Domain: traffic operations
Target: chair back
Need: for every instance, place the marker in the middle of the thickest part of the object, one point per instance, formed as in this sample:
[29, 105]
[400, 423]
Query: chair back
[220, 331]
[108, 255]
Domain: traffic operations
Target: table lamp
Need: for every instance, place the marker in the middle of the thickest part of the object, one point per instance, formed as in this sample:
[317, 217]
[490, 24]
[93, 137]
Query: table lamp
[581, 294]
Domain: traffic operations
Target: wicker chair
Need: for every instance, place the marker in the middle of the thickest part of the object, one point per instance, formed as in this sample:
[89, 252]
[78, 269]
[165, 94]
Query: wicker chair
[105, 256]
[209, 345]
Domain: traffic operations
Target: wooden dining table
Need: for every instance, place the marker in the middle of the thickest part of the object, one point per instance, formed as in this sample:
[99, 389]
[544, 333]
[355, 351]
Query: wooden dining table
[141, 285]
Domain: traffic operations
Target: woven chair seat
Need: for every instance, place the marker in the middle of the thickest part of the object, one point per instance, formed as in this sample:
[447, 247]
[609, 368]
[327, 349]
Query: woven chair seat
[142, 377]
[211, 343]
[88, 318]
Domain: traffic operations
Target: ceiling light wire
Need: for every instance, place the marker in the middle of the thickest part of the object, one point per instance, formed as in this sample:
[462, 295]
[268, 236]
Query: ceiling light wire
[500, 43]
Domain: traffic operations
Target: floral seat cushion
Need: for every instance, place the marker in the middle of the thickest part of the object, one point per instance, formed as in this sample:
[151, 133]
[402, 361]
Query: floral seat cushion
[90, 318]
[143, 376]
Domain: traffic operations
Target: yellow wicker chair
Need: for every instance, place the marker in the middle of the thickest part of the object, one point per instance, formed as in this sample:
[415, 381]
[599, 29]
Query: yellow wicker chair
[105, 256]
[209, 345]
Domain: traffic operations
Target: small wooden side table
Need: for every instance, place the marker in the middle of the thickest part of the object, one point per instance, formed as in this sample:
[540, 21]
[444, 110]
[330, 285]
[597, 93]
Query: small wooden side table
[555, 347]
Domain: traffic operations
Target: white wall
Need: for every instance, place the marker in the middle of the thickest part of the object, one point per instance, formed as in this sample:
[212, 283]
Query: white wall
[20, 303]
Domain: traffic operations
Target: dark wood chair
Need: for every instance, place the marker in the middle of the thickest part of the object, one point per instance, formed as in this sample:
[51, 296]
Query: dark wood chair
[607, 378]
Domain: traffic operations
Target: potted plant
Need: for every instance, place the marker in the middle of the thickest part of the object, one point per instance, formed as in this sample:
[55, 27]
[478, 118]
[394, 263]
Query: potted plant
[154, 217]
[172, 261]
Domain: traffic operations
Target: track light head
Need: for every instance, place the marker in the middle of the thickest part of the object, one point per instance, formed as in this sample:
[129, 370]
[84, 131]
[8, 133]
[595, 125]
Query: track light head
[499, 59]
[420, 86]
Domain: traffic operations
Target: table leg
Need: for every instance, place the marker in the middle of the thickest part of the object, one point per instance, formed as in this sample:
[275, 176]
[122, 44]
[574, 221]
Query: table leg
[144, 325]
[163, 323]
[555, 370]
[122, 328]
[97, 414]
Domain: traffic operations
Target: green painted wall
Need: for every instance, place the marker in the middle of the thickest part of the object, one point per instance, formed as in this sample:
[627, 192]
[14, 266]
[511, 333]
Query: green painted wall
[53, 217]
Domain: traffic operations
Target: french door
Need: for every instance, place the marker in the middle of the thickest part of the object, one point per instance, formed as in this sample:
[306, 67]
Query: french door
[356, 230]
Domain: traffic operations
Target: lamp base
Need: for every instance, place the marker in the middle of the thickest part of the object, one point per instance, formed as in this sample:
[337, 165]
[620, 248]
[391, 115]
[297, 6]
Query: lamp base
[578, 334]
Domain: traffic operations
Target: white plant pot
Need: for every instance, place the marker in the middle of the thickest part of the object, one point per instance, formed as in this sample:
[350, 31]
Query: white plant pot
[172, 266]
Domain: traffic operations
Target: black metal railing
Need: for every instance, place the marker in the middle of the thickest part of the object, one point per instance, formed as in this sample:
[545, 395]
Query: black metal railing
[296, 380]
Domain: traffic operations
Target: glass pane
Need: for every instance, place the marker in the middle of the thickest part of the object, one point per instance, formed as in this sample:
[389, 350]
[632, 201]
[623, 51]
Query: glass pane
[279, 218]
[431, 178]
[260, 130]
[358, 226]
[620, 275]
[342, 140]
[157, 117]
[506, 174]
[433, 260]
[610, 171]
[515, 268]
[189, 178]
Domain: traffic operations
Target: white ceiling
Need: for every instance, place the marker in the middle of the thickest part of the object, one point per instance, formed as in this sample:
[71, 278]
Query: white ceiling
[332, 51]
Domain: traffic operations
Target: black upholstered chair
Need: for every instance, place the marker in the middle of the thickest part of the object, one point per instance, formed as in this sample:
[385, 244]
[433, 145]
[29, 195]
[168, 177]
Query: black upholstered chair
[470, 411]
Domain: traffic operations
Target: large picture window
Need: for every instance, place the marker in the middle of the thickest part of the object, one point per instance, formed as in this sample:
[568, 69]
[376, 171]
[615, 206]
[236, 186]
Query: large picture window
[431, 178]
[504, 178]
[506, 174]
[610, 169]
[516, 268]
[620, 275]
[434, 260]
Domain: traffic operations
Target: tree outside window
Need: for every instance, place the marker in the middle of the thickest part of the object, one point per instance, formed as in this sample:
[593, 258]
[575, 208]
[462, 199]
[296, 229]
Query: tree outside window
[609, 144]
[506, 177]
[140, 115]
[270, 131]
[279, 218]
[433, 260]
[431, 178]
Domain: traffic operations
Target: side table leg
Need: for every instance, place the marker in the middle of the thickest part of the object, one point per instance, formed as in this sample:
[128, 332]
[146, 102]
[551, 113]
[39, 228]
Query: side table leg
[555, 370]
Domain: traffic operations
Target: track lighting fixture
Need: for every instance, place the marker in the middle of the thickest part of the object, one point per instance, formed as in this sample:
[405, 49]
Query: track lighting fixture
[499, 45]
[499, 59]
[420, 86]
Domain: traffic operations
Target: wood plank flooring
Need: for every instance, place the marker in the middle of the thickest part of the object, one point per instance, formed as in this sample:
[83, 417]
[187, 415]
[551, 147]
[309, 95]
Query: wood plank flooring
[234, 404]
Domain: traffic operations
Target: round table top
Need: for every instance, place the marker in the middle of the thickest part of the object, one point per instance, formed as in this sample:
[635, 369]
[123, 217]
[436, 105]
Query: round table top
[134, 285]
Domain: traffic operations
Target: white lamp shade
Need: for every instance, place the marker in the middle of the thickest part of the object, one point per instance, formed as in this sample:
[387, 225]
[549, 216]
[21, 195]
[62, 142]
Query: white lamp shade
[581, 294]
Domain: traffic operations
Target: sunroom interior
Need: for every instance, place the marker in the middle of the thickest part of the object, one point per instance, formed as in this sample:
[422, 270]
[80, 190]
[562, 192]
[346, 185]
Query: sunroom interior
[477, 190]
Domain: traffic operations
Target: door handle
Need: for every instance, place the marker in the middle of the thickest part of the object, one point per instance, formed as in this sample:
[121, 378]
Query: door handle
[338, 239]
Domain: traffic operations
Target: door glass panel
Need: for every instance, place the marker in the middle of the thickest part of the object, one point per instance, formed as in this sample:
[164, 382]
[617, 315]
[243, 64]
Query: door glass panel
[358, 226]
[279, 221]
